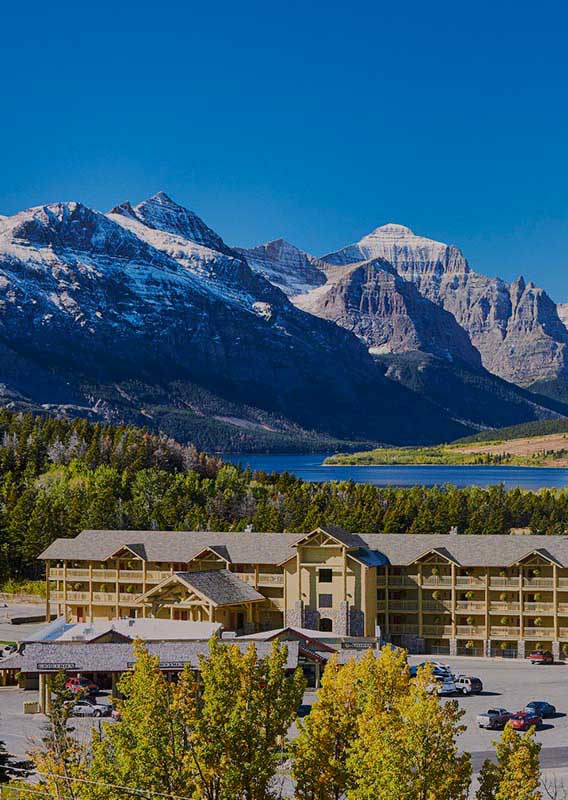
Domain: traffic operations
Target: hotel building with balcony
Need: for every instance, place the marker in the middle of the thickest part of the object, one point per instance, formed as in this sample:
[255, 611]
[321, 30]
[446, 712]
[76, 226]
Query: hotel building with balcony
[452, 593]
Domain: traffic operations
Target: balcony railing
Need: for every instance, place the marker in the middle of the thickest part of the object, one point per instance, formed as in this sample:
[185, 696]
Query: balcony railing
[155, 575]
[538, 633]
[403, 605]
[437, 630]
[104, 574]
[471, 581]
[502, 606]
[77, 597]
[538, 583]
[470, 605]
[436, 605]
[104, 597]
[401, 580]
[563, 609]
[504, 632]
[132, 575]
[404, 629]
[503, 583]
[128, 597]
[381, 605]
[471, 630]
[563, 583]
[247, 577]
[546, 607]
[437, 580]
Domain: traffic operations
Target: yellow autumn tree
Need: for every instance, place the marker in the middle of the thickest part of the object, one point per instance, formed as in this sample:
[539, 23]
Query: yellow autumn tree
[237, 717]
[320, 753]
[408, 751]
[517, 771]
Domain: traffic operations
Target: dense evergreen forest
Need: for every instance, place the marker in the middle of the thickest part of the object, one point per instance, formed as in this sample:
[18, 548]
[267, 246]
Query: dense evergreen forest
[59, 476]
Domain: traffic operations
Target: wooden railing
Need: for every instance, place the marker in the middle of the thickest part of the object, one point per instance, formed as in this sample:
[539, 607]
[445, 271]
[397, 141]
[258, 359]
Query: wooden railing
[472, 581]
[504, 632]
[503, 607]
[436, 580]
[104, 597]
[538, 583]
[503, 583]
[538, 633]
[545, 607]
[471, 630]
[470, 605]
[437, 630]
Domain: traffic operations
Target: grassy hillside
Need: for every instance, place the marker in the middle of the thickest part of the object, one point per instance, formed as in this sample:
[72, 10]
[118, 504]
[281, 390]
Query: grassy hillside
[550, 450]
[541, 427]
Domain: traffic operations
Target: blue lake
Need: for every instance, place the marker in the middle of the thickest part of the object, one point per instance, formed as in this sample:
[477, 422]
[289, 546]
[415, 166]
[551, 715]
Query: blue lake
[311, 468]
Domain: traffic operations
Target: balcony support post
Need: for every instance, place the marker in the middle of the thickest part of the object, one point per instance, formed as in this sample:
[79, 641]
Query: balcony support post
[47, 600]
[487, 619]
[387, 614]
[144, 587]
[90, 591]
[420, 615]
[117, 592]
[65, 590]
[555, 599]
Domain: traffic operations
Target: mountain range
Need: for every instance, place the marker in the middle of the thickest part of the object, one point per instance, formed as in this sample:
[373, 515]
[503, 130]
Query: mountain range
[146, 315]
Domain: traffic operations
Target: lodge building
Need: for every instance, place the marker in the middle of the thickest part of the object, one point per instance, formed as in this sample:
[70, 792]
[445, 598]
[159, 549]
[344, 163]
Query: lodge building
[484, 595]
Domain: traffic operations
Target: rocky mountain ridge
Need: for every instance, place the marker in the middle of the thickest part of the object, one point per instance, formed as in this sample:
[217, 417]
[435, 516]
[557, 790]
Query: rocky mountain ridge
[514, 326]
[123, 315]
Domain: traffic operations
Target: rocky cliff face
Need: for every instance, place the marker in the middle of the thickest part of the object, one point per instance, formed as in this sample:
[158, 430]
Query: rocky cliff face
[515, 327]
[286, 266]
[388, 313]
[124, 313]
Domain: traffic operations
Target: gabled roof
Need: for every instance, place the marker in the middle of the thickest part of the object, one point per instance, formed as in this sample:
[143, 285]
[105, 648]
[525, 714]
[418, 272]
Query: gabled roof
[216, 550]
[136, 548]
[336, 532]
[540, 551]
[443, 552]
[305, 634]
[217, 586]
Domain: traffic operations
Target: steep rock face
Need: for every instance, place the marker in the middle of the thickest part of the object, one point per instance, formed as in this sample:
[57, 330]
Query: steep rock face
[514, 326]
[286, 266]
[388, 313]
[562, 309]
[90, 304]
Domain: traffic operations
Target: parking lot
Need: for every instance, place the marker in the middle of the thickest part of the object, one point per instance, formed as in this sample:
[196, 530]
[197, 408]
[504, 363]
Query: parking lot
[507, 684]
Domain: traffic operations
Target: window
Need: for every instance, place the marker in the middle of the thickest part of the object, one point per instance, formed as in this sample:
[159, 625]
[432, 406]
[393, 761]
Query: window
[325, 575]
[326, 625]
[325, 601]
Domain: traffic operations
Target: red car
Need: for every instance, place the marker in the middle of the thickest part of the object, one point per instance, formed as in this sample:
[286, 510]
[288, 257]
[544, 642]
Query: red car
[541, 657]
[524, 720]
[81, 686]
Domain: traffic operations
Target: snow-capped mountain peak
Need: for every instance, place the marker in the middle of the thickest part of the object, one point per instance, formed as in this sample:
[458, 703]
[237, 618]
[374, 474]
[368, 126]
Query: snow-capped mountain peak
[164, 214]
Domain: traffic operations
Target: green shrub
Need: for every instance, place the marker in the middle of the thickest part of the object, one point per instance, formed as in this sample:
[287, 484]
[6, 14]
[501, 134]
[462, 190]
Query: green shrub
[503, 596]
[469, 645]
[470, 620]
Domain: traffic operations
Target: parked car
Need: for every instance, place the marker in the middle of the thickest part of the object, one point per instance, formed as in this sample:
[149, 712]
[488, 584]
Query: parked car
[446, 686]
[494, 719]
[115, 713]
[81, 686]
[541, 657]
[541, 708]
[8, 650]
[467, 684]
[86, 708]
[438, 670]
[524, 720]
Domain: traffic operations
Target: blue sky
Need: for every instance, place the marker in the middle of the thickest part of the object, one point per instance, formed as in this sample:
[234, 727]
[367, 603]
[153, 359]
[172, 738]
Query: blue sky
[309, 120]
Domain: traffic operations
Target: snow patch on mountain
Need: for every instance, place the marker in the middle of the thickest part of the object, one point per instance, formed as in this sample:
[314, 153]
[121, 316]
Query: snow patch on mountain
[286, 266]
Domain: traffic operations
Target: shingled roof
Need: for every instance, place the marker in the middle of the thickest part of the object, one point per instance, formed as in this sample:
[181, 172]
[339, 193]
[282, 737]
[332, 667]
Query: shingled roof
[275, 548]
[222, 587]
[94, 657]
